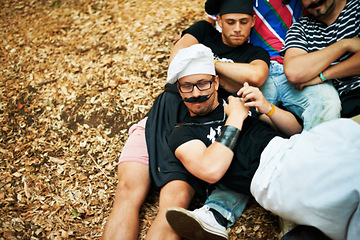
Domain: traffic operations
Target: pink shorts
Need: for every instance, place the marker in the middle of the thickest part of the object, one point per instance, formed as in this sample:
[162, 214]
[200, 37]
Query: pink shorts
[135, 149]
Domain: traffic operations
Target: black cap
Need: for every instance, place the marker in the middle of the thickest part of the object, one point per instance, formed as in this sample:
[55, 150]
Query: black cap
[229, 6]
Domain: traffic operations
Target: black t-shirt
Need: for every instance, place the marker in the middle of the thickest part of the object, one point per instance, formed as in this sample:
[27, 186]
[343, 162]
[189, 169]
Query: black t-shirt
[253, 138]
[206, 34]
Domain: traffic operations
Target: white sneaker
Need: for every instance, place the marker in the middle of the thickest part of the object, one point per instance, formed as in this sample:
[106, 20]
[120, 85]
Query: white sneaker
[286, 226]
[199, 224]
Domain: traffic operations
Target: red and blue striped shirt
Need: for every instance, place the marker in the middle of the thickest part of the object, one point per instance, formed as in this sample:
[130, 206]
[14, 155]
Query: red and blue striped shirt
[273, 20]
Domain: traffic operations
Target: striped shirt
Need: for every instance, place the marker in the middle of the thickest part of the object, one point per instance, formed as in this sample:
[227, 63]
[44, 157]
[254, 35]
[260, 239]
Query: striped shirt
[312, 35]
[273, 20]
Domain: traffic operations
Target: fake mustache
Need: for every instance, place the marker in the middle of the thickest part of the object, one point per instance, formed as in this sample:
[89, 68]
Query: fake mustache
[200, 99]
[315, 5]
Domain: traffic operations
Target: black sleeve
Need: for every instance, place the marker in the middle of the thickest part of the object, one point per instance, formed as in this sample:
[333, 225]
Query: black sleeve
[260, 53]
[200, 30]
[179, 136]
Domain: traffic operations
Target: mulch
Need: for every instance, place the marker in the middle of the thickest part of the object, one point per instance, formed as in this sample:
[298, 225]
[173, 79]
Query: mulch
[74, 76]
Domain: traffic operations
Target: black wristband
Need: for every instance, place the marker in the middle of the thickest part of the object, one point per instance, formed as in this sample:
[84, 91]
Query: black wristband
[229, 136]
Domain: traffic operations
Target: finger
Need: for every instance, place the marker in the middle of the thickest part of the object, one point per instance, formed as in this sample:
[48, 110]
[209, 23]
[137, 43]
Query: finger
[249, 96]
[230, 97]
[249, 104]
[241, 91]
[246, 91]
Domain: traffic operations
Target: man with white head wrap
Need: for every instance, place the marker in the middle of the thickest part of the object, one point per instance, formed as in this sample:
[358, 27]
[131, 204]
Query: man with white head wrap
[226, 151]
[207, 135]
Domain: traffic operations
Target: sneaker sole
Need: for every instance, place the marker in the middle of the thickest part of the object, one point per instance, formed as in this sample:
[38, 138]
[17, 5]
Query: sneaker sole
[180, 220]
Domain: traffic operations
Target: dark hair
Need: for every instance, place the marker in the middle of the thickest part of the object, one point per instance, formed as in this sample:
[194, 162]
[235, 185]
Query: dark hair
[285, 2]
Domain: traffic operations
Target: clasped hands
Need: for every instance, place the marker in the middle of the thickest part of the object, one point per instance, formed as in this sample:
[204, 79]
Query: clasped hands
[239, 106]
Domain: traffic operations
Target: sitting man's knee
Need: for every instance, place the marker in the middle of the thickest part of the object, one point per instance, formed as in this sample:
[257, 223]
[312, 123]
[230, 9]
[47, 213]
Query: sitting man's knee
[127, 189]
[177, 194]
[183, 198]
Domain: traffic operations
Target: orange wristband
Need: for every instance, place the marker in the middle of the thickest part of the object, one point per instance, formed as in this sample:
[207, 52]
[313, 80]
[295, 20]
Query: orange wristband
[271, 112]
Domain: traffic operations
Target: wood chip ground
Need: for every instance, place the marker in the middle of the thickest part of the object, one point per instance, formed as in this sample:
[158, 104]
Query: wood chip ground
[74, 76]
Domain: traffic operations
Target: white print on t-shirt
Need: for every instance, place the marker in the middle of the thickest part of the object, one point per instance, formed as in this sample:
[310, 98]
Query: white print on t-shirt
[223, 59]
[214, 133]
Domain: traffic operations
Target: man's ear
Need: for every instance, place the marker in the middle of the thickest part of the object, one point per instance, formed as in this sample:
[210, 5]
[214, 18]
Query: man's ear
[254, 19]
[217, 82]
[218, 19]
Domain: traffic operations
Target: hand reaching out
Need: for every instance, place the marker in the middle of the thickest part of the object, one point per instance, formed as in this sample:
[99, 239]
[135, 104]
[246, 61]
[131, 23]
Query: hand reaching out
[256, 98]
[283, 121]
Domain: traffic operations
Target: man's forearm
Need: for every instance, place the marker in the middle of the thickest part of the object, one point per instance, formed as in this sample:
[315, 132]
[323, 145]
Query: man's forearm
[300, 66]
[350, 67]
[254, 73]
[185, 41]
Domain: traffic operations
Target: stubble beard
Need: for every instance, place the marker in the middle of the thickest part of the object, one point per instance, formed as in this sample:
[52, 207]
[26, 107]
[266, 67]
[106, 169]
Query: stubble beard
[319, 14]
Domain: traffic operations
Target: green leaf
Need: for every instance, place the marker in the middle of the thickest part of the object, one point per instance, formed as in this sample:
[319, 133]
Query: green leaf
[74, 213]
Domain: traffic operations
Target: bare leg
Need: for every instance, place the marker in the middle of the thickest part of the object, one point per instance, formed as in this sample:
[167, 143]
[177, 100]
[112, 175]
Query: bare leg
[131, 192]
[175, 193]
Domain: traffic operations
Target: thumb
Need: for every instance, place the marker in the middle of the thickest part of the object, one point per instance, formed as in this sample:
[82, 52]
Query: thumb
[246, 84]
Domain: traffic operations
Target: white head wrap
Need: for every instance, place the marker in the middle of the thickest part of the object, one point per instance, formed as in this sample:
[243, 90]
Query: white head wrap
[196, 59]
